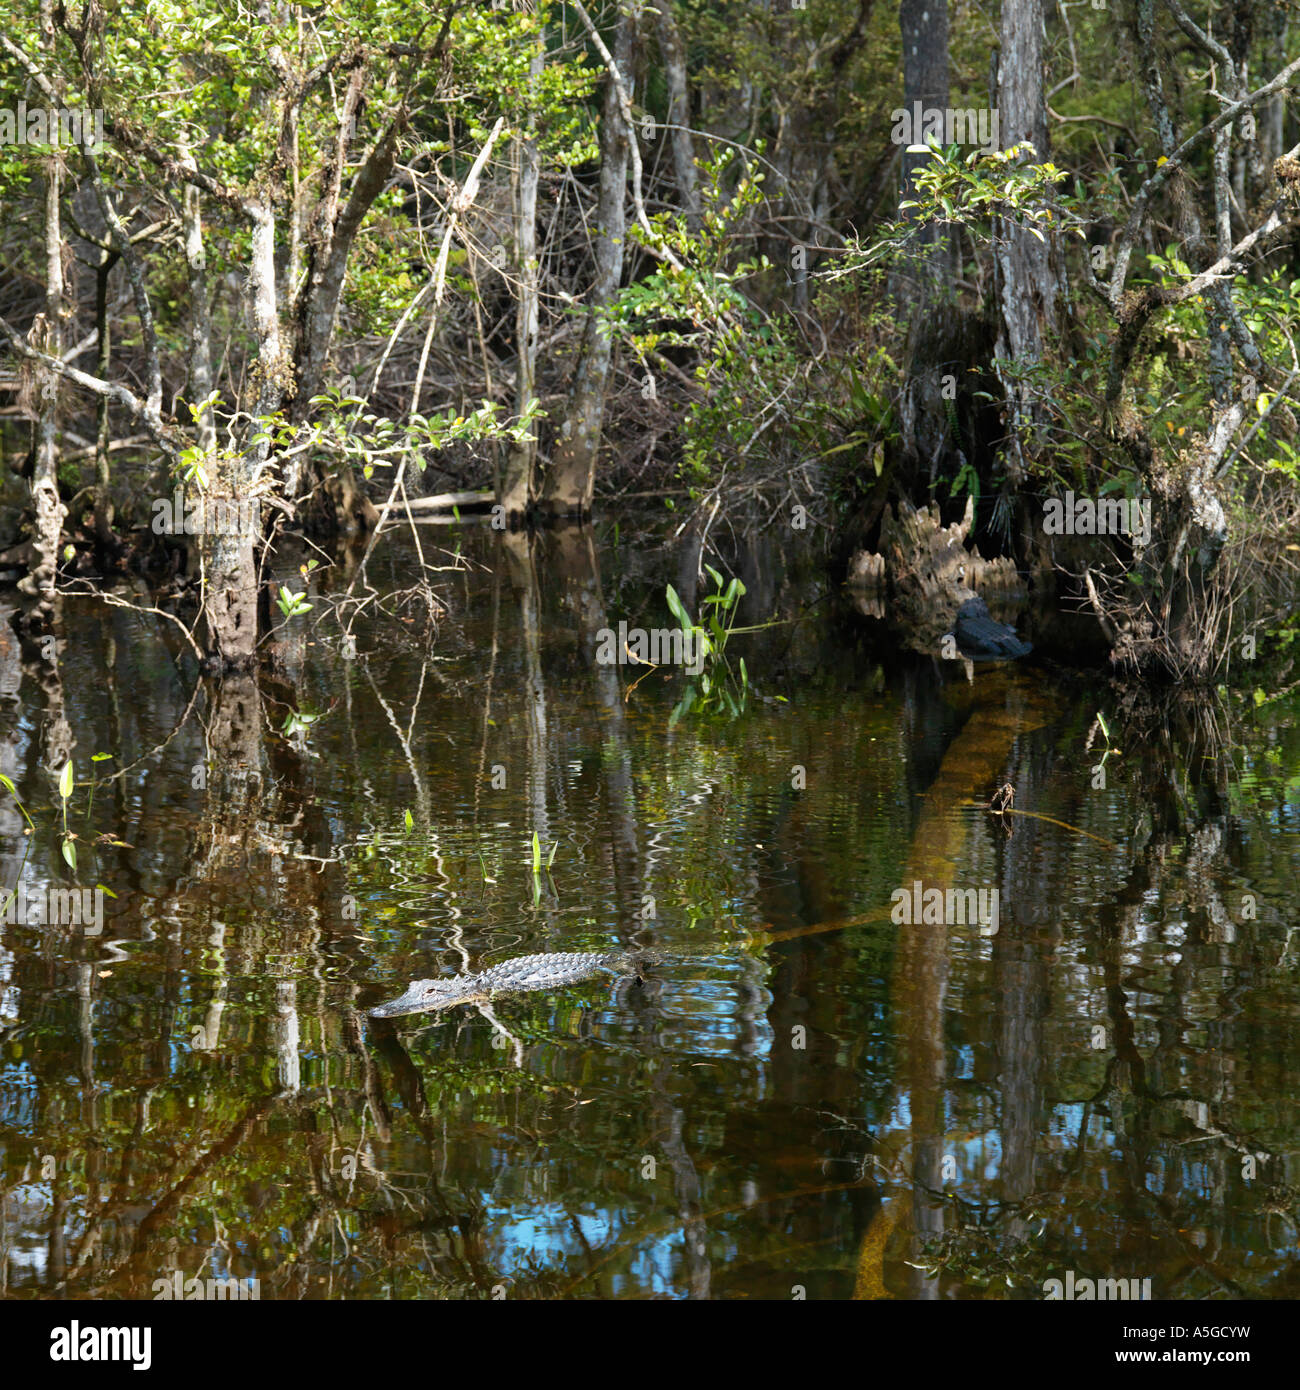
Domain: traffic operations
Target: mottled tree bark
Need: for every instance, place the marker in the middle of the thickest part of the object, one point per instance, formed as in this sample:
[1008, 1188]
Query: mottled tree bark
[1029, 272]
[570, 480]
[46, 336]
[202, 379]
[230, 556]
[518, 486]
[924, 28]
[673, 52]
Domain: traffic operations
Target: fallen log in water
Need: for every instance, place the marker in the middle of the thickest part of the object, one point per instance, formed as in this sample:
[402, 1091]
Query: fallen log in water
[446, 501]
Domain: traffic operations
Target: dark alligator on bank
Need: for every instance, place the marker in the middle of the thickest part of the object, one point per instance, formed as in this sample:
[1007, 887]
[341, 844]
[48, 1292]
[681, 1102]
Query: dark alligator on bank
[550, 970]
[981, 637]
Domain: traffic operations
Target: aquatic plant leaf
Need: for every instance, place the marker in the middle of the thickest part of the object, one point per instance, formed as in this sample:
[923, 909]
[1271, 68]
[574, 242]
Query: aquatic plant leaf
[678, 609]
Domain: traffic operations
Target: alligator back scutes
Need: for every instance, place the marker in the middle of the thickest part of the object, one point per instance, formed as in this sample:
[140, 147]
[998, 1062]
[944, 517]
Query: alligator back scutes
[548, 970]
[543, 971]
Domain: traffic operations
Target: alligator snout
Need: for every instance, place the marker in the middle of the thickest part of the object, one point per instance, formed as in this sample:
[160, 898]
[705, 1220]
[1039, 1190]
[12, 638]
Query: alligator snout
[423, 994]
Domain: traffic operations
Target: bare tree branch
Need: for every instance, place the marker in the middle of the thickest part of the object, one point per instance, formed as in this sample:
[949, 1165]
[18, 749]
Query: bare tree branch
[159, 432]
[1132, 229]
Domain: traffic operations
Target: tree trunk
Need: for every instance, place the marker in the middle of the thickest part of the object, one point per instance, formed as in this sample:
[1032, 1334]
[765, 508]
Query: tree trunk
[1272, 111]
[330, 244]
[315, 312]
[922, 289]
[230, 557]
[202, 380]
[673, 53]
[924, 28]
[107, 542]
[1029, 269]
[570, 481]
[46, 336]
[517, 487]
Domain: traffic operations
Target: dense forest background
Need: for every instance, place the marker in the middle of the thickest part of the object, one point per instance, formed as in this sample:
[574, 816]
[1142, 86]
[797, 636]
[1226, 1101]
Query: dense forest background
[778, 262]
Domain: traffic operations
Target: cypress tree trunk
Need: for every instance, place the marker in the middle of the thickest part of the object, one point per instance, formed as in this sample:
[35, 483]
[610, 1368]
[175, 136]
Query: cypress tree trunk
[1029, 269]
[518, 486]
[202, 379]
[46, 336]
[570, 481]
[924, 28]
[230, 556]
[673, 53]
[105, 539]
[922, 288]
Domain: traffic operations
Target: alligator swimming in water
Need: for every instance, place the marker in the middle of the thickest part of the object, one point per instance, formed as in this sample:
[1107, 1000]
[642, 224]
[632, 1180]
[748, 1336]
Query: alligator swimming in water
[550, 970]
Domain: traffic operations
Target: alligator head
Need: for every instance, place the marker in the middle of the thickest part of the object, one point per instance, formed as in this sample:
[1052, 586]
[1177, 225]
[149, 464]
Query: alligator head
[421, 996]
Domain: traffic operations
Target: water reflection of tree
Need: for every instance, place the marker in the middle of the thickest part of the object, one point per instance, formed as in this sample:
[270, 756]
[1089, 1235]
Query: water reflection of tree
[1150, 1177]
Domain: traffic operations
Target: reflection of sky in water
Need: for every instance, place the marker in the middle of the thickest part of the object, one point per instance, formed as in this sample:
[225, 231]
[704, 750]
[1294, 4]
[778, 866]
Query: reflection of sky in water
[708, 1014]
[518, 1241]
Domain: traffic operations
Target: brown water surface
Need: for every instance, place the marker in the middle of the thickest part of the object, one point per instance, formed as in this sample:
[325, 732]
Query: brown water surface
[802, 1094]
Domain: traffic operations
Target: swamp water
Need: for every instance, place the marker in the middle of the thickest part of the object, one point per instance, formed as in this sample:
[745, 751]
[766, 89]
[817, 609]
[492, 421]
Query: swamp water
[800, 1095]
